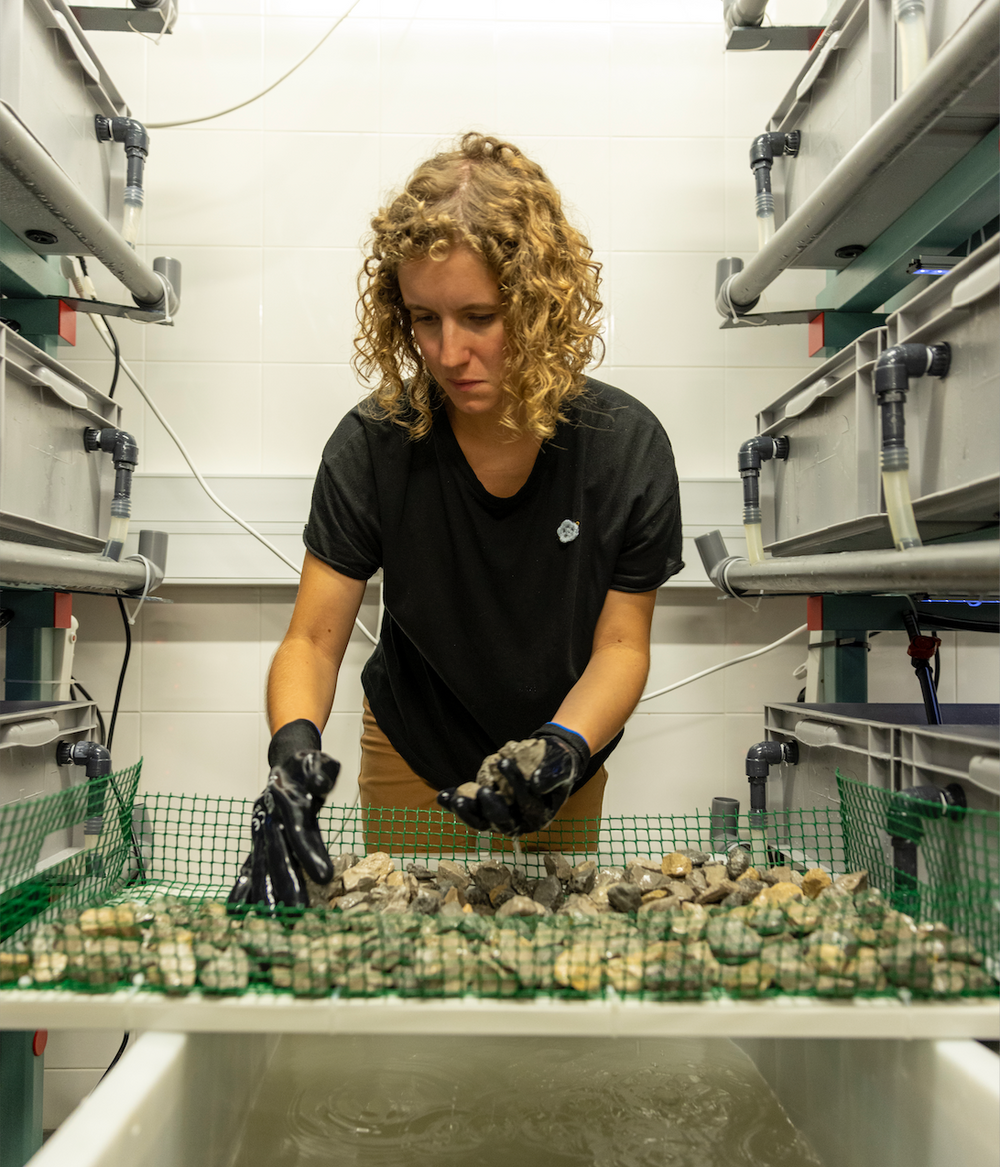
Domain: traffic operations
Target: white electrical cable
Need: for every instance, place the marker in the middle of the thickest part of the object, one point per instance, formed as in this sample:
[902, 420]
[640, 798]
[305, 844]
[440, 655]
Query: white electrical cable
[145, 589]
[102, 332]
[257, 96]
[726, 663]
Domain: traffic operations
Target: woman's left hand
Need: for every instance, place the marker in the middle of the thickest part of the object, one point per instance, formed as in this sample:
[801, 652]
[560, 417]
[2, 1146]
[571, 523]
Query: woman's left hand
[519, 789]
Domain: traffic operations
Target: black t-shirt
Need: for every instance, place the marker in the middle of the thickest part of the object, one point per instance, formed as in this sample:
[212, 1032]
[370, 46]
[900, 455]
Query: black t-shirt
[491, 603]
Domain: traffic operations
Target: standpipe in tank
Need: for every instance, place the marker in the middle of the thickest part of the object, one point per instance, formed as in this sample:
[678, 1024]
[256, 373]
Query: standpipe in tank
[125, 455]
[893, 371]
[765, 148]
[133, 135]
[754, 451]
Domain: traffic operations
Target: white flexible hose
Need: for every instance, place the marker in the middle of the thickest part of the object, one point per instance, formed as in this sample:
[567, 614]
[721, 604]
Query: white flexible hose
[274, 84]
[726, 663]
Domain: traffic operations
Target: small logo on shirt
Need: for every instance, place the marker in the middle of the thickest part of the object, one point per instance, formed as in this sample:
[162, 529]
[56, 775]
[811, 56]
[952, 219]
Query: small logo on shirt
[567, 531]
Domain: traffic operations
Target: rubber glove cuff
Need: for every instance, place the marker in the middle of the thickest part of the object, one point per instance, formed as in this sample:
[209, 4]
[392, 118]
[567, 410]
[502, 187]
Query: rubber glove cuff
[291, 739]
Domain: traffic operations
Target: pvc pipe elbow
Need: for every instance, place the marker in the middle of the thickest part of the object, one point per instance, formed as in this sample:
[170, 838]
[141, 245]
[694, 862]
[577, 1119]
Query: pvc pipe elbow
[896, 365]
[762, 756]
[92, 755]
[726, 271]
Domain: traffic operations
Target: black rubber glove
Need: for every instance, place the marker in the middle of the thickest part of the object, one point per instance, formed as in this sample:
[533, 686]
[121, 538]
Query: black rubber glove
[519, 789]
[285, 837]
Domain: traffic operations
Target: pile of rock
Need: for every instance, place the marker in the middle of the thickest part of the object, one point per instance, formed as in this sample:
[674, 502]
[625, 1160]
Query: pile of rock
[681, 926]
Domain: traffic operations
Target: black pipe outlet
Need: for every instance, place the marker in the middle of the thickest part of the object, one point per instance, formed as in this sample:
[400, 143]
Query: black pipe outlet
[755, 450]
[92, 755]
[135, 138]
[760, 759]
[765, 148]
[908, 811]
[97, 761]
[893, 371]
[125, 455]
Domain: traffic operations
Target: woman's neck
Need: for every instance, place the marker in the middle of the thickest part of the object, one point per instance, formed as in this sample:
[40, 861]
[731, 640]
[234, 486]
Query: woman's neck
[502, 461]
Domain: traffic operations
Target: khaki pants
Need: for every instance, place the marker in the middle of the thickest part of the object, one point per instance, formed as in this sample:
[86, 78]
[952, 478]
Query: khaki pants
[401, 814]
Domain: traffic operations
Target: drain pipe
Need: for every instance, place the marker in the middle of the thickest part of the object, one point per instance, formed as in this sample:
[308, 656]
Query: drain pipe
[957, 569]
[893, 371]
[125, 455]
[133, 134]
[27, 565]
[921, 650]
[766, 147]
[911, 22]
[908, 809]
[97, 761]
[760, 759]
[950, 72]
[754, 451]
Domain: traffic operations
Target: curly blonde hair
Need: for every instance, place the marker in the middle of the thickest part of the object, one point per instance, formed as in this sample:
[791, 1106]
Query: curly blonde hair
[485, 195]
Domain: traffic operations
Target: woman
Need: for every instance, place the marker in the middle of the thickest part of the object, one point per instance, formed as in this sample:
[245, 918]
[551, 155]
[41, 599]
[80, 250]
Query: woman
[523, 514]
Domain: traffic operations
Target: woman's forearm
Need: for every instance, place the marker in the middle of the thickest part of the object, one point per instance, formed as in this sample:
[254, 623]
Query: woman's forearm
[604, 697]
[301, 682]
[302, 679]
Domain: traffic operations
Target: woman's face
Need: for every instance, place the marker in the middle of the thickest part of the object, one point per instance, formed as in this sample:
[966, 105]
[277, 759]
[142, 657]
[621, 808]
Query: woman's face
[456, 316]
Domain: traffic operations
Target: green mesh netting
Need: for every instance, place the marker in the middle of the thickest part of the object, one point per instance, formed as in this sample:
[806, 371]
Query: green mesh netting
[165, 927]
[30, 888]
[957, 854]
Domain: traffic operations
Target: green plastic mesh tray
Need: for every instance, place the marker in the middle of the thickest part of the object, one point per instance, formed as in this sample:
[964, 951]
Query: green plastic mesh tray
[168, 930]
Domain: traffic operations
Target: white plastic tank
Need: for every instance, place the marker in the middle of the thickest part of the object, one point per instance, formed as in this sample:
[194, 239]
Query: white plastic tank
[210, 1099]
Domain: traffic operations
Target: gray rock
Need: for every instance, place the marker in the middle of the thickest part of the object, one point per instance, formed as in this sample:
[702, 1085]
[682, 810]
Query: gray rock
[453, 873]
[737, 862]
[625, 897]
[548, 892]
[731, 941]
[343, 862]
[489, 875]
[427, 903]
[558, 865]
[419, 871]
[501, 894]
[583, 877]
[698, 858]
[578, 906]
[744, 891]
[520, 906]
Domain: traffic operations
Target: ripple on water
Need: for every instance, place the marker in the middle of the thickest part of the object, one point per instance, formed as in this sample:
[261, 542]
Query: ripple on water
[516, 1102]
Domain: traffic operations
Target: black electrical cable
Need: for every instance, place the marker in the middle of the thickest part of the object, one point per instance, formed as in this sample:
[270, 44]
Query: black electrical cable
[6, 615]
[956, 623]
[121, 675]
[109, 737]
[114, 341]
[937, 663]
[118, 357]
[114, 1060]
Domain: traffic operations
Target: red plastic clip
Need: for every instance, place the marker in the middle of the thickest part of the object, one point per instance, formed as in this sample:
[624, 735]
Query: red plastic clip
[923, 647]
